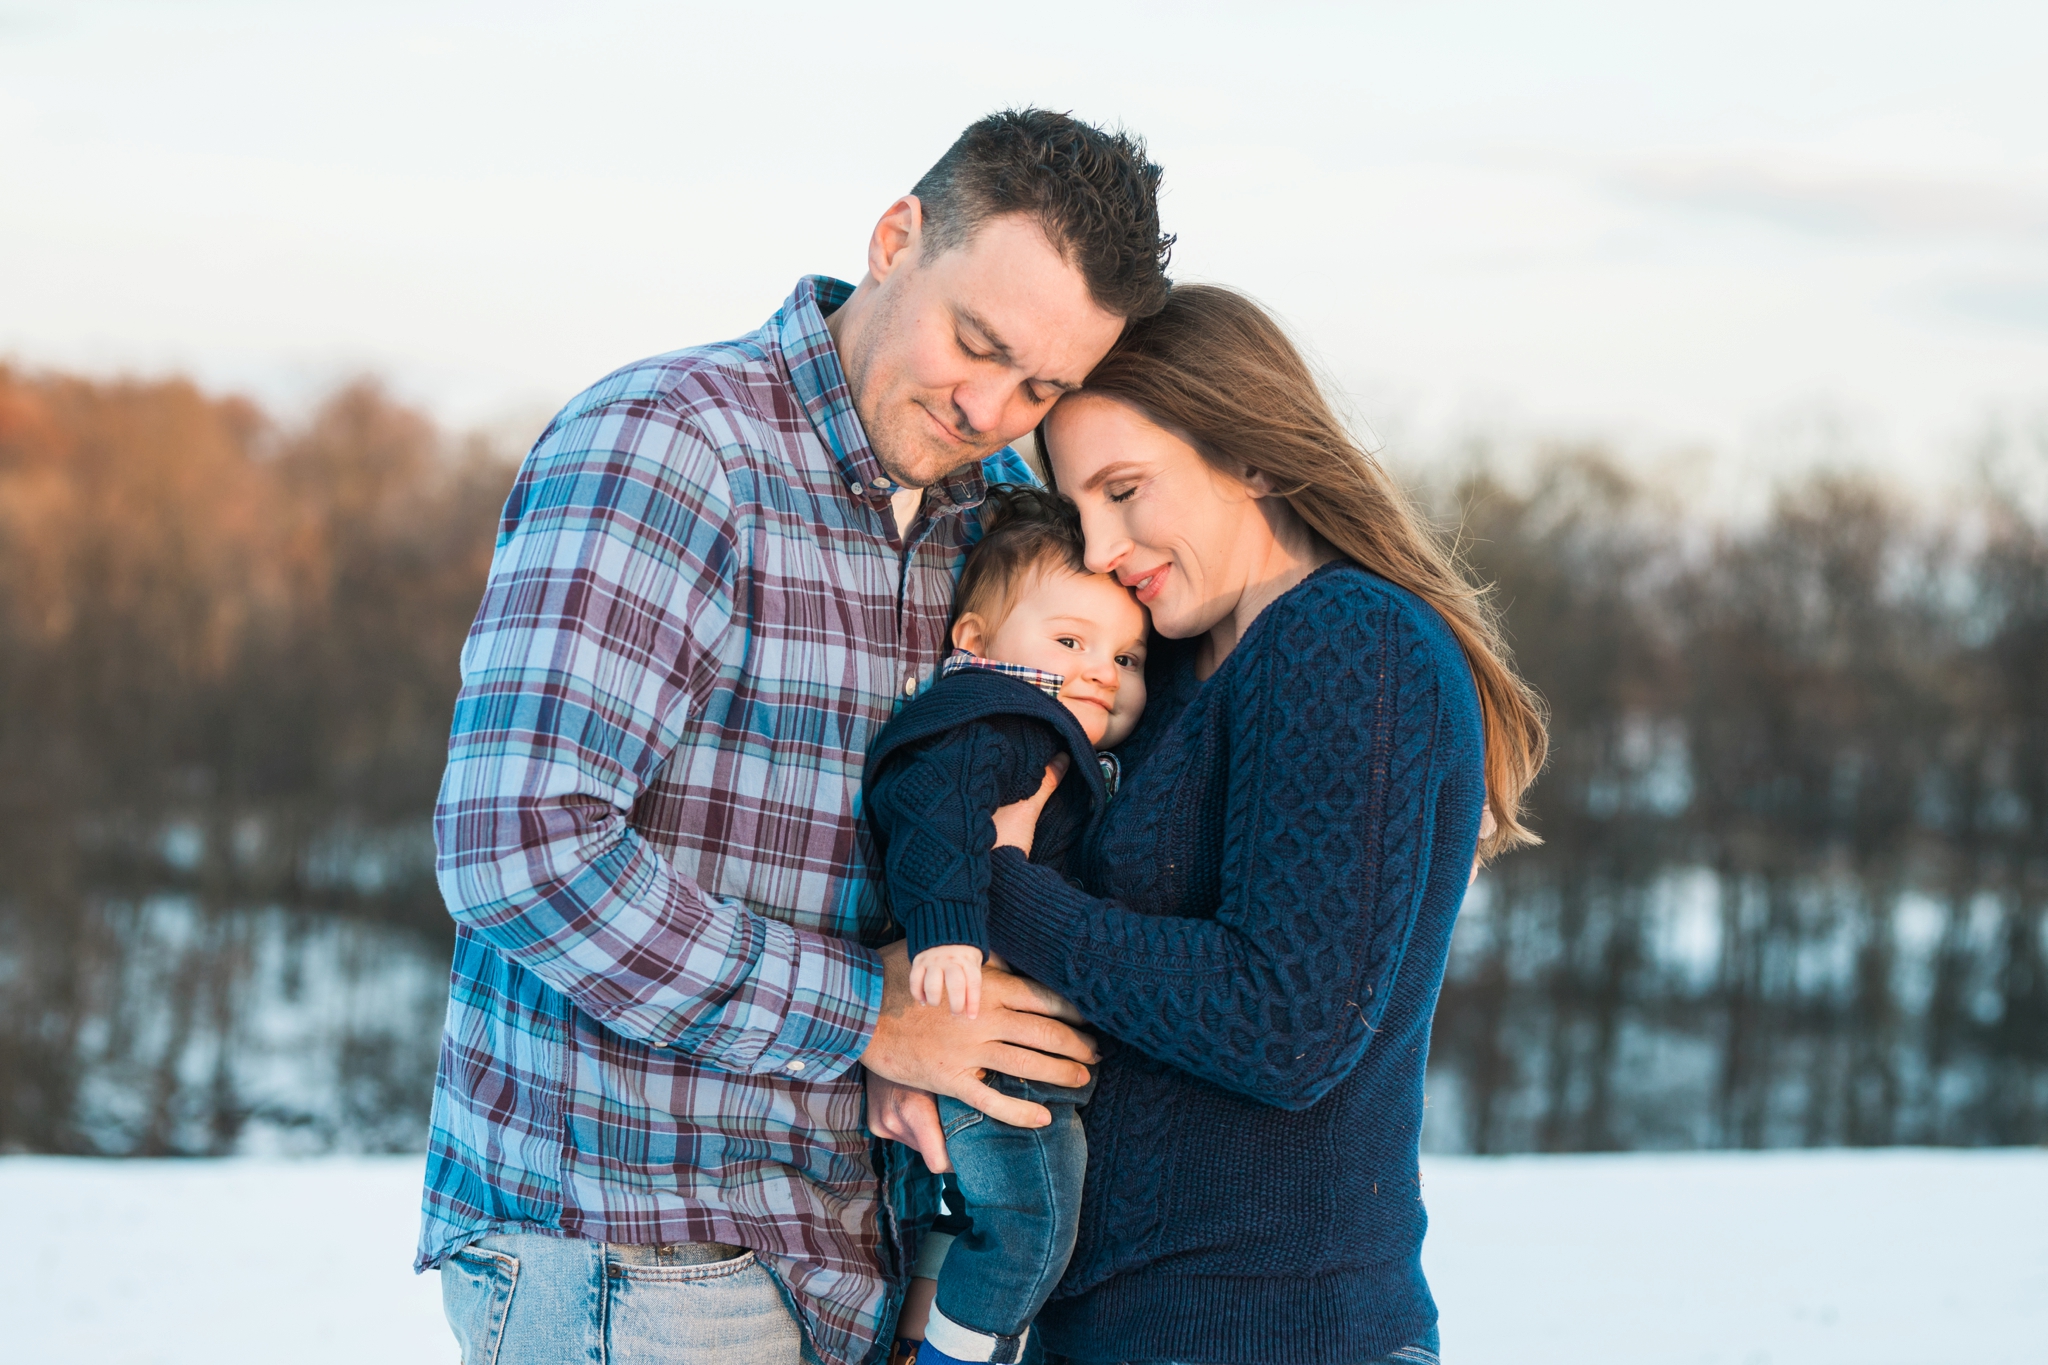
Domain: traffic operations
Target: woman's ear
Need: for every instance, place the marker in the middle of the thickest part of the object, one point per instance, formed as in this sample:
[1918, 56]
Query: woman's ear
[970, 632]
[1259, 484]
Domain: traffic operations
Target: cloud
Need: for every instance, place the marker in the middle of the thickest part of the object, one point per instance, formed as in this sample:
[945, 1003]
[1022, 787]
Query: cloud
[1822, 201]
[2019, 303]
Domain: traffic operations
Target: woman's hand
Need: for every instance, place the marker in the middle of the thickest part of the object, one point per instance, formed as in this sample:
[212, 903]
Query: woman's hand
[1017, 822]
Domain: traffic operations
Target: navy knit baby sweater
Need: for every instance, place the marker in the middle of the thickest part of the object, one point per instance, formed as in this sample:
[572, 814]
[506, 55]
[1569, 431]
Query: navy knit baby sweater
[1276, 879]
[974, 742]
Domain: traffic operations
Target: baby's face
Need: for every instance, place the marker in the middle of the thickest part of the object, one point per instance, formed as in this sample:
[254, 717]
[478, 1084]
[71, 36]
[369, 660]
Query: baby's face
[1086, 628]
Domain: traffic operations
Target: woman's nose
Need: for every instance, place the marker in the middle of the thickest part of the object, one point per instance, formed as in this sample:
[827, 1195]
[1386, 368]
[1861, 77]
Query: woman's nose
[1104, 547]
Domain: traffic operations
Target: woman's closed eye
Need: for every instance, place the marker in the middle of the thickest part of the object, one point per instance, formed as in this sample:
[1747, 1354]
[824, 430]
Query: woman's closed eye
[1124, 496]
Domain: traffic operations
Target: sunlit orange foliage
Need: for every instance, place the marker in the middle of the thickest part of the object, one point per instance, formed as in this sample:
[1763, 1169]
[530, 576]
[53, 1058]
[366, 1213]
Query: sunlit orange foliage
[201, 607]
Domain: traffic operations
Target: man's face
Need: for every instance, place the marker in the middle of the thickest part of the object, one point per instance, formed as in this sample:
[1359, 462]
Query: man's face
[955, 357]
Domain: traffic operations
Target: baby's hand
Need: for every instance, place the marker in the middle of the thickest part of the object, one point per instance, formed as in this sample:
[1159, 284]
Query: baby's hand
[949, 973]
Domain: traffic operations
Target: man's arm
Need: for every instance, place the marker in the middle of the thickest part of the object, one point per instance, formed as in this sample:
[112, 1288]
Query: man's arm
[602, 622]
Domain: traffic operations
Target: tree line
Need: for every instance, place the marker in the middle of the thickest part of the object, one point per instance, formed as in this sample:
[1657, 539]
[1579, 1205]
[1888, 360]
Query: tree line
[227, 662]
[1794, 883]
[1792, 889]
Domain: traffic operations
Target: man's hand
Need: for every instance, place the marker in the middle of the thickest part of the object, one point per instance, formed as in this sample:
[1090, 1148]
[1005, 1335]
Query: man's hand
[1019, 1032]
[948, 974]
[908, 1116]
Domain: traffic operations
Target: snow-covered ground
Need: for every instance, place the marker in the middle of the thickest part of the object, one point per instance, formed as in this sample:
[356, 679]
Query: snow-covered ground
[1827, 1258]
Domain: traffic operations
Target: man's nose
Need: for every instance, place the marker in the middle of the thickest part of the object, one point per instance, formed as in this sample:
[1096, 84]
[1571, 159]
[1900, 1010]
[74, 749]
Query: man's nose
[978, 411]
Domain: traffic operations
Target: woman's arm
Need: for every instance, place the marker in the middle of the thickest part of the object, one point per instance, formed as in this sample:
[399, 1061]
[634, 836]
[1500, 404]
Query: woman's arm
[1339, 750]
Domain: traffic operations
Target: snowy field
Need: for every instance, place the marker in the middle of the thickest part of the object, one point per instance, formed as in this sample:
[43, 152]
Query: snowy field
[1867, 1258]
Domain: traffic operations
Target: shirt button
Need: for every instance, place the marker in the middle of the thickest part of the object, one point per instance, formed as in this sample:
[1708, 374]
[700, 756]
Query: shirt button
[855, 487]
[794, 1067]
[910, 685]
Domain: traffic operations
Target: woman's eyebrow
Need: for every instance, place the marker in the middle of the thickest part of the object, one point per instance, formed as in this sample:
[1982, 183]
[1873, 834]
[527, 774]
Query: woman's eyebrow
[1105, 474]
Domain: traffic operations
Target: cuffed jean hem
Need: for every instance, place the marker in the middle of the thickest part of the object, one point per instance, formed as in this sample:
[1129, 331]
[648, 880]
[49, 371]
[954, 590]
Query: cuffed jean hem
[964, 1343]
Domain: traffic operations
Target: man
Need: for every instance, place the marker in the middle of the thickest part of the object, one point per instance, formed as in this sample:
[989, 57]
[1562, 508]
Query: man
[718, 574]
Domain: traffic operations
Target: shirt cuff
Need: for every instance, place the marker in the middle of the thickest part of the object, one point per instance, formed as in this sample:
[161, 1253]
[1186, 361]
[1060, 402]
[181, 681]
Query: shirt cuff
[835, 1003]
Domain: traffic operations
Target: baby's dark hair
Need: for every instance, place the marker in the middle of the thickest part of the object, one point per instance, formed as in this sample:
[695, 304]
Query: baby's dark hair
[1024, 529]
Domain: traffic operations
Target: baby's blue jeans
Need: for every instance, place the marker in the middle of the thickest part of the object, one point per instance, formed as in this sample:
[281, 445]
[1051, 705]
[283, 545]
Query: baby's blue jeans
[1023, 1192]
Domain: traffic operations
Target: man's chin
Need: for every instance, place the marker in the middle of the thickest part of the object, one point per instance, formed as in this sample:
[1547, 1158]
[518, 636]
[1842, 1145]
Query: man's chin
[927, 465]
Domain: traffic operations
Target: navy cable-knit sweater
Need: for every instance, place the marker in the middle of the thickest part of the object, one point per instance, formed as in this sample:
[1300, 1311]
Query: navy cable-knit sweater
[1277, 878]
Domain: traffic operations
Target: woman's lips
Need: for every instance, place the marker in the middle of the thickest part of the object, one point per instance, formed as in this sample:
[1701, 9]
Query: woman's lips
[1151, 584]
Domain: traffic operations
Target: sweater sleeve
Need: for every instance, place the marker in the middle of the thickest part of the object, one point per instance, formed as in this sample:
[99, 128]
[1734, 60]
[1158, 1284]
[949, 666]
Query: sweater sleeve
[1329, 812]
[932, 804]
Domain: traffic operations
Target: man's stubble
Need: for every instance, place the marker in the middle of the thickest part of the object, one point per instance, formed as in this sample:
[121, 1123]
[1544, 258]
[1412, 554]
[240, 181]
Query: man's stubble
[895, 425]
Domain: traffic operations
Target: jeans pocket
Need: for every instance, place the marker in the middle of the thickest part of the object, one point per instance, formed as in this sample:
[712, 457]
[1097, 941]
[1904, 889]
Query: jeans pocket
[476, 1293]
[955, 1115]
[658, 1272]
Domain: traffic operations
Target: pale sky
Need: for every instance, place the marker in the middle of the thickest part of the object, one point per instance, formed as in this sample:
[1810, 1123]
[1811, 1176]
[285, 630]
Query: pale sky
[1782, 229]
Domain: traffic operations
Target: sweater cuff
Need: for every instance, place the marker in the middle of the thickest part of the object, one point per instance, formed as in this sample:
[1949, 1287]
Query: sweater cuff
[1035, 916]
[940, 922]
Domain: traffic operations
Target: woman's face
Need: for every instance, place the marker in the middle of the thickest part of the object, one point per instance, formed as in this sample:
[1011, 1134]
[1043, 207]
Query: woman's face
[1181, 534]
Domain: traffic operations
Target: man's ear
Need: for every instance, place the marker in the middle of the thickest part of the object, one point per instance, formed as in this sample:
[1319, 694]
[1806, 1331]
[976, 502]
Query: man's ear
[896, 237]
[970, 633]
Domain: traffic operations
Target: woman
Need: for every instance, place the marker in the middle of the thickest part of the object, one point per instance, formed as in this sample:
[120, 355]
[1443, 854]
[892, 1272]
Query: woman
[1332, 717]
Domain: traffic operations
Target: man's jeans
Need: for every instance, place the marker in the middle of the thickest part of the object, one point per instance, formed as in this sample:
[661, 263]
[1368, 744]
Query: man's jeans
[531, 1299]
[1023, 1192]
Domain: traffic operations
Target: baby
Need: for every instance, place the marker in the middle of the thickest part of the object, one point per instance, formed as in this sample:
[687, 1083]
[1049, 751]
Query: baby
[1048, 659]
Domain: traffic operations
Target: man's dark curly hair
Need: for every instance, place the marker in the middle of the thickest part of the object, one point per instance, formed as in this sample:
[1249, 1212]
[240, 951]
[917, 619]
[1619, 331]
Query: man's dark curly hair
[1094, 193]
[1024, 530]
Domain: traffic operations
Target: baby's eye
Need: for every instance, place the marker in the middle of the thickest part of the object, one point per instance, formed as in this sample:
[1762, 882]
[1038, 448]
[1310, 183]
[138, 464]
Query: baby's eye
[1069, 641]
[1129, 661]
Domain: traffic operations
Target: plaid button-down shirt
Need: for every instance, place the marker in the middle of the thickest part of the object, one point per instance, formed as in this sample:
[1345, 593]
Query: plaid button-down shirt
[698, 615]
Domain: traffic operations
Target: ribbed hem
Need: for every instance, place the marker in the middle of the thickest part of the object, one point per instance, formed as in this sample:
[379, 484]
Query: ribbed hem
[935, 923]
[1157, 1314]
[1034, 909]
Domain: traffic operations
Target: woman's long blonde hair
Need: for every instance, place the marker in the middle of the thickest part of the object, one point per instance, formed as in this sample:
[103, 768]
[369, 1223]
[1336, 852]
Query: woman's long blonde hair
[1215, 368]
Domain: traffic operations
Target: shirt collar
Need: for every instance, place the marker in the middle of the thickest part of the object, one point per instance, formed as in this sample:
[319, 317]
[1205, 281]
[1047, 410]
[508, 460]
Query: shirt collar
[959, 661]
[820, 385]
